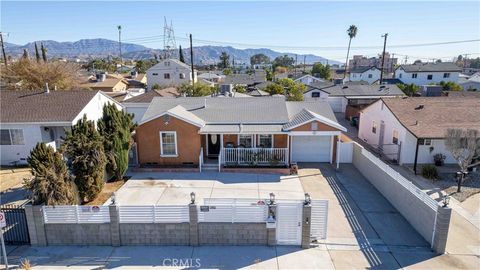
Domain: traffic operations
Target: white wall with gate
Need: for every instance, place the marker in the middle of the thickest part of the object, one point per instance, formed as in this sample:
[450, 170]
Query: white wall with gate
[289, 223]
[345, 152]
[319, 219]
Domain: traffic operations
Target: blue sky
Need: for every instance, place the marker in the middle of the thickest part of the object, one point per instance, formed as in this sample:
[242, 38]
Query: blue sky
[283, 26]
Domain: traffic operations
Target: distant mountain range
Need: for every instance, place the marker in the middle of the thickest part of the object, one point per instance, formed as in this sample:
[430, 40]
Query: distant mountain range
[98, 48]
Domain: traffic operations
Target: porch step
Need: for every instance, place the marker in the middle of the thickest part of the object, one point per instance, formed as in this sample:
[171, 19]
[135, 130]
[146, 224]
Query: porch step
[210, 167]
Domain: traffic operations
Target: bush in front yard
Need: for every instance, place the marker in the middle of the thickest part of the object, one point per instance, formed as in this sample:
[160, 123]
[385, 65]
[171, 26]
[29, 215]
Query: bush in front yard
[429, 172]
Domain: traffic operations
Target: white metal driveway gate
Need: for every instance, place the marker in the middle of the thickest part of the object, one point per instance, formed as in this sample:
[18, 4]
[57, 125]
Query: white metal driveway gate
[289, 223]
[318, 226]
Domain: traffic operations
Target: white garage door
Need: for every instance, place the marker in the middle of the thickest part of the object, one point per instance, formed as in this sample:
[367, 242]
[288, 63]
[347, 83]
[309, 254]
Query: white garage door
[311, 148]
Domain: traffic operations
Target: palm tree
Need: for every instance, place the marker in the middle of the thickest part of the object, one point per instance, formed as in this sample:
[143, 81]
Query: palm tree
[352, 32]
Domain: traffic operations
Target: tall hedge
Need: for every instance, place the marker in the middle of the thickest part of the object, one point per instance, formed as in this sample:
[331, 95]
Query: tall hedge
[84, 148]
[51, 184]
[116, 127]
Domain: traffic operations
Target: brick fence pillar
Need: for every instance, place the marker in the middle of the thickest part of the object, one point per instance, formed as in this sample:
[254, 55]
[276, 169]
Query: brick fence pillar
[114, 225]
[306, 225]
[192, 208]
[442, 224]
[272, 232]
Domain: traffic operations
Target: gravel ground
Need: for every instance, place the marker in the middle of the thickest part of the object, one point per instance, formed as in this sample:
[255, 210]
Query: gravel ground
[470, 186]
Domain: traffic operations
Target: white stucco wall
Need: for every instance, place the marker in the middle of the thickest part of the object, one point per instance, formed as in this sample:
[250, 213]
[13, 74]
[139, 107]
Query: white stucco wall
[338, 104]
[421, 79]
[408, 142]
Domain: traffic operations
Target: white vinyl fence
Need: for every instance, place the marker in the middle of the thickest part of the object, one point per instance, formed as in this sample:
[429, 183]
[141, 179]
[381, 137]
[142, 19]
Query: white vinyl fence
[76, 214]
[318, 229]
[232, 210]
[345, 152]
[254, 156]
[154, 214]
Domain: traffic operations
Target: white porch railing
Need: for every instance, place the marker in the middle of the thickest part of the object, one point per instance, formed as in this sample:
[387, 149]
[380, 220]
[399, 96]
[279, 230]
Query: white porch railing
[254, 156]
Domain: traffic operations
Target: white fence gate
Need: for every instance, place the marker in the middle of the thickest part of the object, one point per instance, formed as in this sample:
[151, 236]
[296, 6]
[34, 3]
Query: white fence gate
[345, 152]
[318, 227]
[289, 223]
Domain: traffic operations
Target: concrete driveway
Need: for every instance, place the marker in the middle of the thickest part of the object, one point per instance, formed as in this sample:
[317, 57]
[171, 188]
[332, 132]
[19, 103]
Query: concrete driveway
[365, 230]
[174, 188]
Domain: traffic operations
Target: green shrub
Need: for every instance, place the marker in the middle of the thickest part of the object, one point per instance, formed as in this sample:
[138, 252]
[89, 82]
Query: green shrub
[429, 172]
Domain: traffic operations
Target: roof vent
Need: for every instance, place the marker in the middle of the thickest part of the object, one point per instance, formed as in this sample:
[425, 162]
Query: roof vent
[419, 107]
[46, 88]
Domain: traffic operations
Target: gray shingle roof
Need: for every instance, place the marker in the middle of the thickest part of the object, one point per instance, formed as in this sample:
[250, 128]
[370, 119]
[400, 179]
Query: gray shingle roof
[363, 90]
[361, 69]
[255, 78]
[262, 114]
[38, 106]
[431, 67]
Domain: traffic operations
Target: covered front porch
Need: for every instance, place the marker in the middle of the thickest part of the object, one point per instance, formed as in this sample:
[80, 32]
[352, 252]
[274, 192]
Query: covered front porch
[232, 150]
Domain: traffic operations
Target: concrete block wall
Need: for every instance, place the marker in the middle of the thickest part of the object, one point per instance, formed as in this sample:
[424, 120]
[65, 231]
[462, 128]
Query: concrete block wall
[78, 234]
[226, 233]
[155, 234]
[420, 215]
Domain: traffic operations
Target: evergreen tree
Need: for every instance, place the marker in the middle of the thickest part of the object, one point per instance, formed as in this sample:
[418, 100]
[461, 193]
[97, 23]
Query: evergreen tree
[44, 52]
[37, 54]
[84, 148]
[51, 183]
[116, 127]
[182, 58]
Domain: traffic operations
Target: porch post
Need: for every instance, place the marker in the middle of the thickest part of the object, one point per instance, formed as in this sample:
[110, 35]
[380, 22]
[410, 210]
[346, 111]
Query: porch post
[221, 141]
[338, 152]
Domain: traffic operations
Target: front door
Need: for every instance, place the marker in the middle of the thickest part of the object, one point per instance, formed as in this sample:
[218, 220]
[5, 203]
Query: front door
[213, 144]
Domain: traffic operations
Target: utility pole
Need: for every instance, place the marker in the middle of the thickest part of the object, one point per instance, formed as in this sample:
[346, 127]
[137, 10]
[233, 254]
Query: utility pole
[3, 49]
[406, 59]
[295, 67]
[119, 27]
[304, 65]
[383, 56]
[191, 62]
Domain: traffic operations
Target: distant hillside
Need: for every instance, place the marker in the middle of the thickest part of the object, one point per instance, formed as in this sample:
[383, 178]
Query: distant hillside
[96, 48]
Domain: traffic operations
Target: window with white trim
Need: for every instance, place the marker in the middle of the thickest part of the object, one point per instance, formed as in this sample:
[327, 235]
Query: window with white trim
[168, 143]
[374, 127]
[429, 77]
[414, 75]
[11, 137]
[265, 140]
[395, 137]
[370, 76]
[446, 75]
[315, 94]
[245, 140]
[166, 76]
[181, 76]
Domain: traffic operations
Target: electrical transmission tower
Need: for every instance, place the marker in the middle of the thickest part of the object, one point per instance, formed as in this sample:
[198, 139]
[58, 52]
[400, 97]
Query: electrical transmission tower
[169, 44]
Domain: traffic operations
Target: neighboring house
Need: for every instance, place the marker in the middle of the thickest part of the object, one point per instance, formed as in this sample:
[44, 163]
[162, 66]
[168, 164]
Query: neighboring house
[247, 80]
[239, 132]
[309, 79]
[107, 83]
[169, 72]
[350, 98]
[136, 80]
[212, 77]
[367, 74]
[138, 105]
[428, 73]
[472, 83]
[412, 130]
[29, 117]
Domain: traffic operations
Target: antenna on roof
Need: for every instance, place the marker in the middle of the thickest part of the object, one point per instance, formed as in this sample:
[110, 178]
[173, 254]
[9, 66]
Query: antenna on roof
[46, 88]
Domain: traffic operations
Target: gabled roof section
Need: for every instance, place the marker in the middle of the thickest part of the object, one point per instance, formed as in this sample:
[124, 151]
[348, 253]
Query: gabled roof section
[148, 96]
[362, 69]
[306, 116]
[161, 64]
[42, 107]
[180, 113]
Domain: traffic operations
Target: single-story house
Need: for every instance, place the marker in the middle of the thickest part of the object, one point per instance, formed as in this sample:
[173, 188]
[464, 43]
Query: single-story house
[350, 98]
[367, 74]
[411, 130]
[236, 132]
[138, 105]
[472, 83]
[107, 83]
[29, 117]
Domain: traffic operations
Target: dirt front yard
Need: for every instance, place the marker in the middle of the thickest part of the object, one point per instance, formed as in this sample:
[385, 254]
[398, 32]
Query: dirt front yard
[107, 192]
